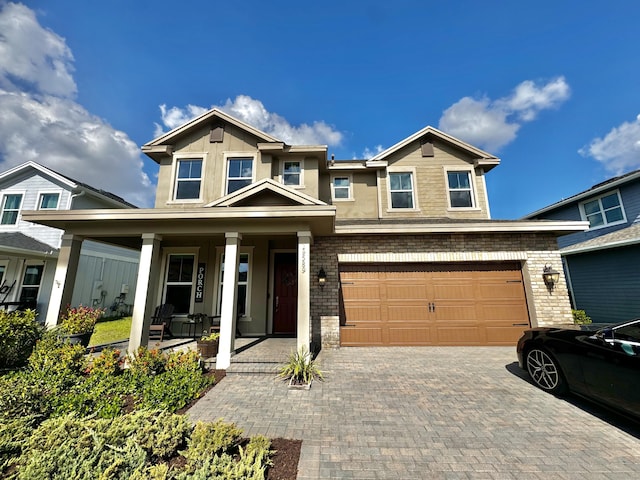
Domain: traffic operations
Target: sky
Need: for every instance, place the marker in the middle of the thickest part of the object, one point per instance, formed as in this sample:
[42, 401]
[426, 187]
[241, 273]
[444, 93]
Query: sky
[552, 88]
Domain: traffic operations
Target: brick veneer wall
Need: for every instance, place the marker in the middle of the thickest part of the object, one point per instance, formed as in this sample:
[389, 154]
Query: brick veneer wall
[546, 307]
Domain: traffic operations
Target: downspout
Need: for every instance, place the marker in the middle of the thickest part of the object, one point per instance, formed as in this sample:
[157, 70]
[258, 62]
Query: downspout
[73, 196]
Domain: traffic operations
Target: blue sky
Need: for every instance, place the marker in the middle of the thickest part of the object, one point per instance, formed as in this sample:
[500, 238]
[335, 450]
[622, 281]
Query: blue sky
[550, 87]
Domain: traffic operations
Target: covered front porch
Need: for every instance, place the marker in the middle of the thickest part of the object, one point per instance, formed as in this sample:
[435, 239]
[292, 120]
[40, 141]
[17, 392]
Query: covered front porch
[185, 258]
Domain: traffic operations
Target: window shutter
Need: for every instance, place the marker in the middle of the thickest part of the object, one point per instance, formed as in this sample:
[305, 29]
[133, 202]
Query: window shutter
[217, 133]
[427, 149]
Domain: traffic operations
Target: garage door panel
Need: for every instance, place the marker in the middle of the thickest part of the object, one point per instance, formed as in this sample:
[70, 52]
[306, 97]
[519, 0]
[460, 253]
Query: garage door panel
[410, 336]
[407, 313]
[361, 336]
[434, 304]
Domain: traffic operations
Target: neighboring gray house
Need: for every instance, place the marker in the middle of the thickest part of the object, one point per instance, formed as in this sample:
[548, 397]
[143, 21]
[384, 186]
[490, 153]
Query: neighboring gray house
[602, 264]
[29, 252]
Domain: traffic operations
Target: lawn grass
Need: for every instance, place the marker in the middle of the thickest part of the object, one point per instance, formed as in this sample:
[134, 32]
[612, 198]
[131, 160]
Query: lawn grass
[111, 331]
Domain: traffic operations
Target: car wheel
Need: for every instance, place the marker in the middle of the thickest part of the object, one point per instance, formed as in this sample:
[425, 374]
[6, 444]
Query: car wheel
[545, 371]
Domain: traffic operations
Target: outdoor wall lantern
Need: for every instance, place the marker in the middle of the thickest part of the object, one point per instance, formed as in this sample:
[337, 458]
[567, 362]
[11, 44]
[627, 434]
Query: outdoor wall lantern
[550, 276]
[322, 277]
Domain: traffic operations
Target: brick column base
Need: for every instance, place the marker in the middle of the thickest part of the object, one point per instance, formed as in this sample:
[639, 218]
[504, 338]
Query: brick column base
[330, 331]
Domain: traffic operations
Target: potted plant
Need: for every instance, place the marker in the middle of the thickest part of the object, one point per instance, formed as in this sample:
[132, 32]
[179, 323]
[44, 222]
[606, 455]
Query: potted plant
[77, 324]
[300, 370]
[208, 345]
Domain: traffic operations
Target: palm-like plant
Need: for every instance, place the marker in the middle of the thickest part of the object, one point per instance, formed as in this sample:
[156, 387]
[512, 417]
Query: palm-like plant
[300, 368]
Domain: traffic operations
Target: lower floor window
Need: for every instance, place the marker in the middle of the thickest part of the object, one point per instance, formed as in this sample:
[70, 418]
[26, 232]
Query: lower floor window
[31, 283]
[243, 282]
[179, 284]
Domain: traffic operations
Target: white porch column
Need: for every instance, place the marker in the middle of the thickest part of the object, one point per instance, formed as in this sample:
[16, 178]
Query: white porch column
[146, 288]
[229, 294]
[64, 278]
[304, 314]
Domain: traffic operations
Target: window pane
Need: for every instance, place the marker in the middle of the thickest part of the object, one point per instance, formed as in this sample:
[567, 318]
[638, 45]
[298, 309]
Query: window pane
[243, 268]
[591, 207]
[610, 201]
[595, 220]
[341, 192]
[460, 198]
[237, 185]
[242, 300]
[292, 179]
[190, 169]
[395, 181]
[292, 167]
[49, 200]
[458, 180]
[29, 294]
[180, 268]
[33, 275]
[180, 297]
[188, 189]
[341, 182]
[614, 215]
[401, 200]
[9, 218]
[12, 202]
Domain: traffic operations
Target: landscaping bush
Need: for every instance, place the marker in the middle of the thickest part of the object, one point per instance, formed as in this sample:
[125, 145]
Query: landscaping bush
[52, 356]
[19, 332]
[580, 317]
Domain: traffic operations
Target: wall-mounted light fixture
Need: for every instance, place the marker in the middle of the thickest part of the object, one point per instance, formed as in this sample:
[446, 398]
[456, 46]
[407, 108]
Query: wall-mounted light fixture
[322, 277]
[550, 276]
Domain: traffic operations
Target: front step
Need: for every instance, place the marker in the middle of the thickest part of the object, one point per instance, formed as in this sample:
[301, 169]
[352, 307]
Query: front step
[253, 368]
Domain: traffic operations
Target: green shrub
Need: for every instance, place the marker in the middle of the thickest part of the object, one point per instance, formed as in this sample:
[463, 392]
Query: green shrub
[108, 363]
[580, 317]
[145, 361]
[172, 389]
[79, 320]
[14, 437]
[52, 356]
[23, 394]
[209, 439]
[19, 332]
[100, 396]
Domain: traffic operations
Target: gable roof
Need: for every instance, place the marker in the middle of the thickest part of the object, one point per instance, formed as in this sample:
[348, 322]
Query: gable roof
[592, 191]
[243, 196]
[17, 242]
[482, 158]
[68, 181]
[205, 118]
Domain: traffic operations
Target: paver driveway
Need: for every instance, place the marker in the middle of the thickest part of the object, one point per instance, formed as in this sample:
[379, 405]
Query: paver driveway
[428, 412]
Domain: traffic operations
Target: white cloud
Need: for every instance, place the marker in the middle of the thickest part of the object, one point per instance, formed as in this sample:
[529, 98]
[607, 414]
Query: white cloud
[253, 112]
[370, 152]
[40, 120]
[619, 150]
[493, 124]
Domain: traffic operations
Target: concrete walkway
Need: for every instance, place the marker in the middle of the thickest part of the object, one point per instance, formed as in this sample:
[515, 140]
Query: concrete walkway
[421, 413]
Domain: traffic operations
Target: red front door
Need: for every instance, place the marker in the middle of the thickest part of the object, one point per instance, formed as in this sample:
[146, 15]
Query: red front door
[285, 302]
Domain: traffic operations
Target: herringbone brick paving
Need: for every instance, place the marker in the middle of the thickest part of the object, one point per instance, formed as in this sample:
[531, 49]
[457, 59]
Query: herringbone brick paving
[429, 412]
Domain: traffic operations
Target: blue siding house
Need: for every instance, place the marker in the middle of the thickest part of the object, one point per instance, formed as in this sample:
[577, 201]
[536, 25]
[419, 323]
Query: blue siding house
[602, 264]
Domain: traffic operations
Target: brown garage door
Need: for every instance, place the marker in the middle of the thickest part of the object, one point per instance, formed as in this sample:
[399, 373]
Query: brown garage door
[432, 304]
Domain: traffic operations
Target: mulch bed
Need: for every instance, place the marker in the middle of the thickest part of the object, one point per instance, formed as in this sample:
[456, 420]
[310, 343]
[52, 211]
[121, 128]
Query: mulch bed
[287, 452]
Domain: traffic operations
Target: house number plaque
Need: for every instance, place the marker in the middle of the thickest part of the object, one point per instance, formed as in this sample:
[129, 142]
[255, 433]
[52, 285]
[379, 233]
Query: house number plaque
[202, 268]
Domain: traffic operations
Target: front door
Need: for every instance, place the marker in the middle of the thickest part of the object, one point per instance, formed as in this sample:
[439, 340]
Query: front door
[285, 291]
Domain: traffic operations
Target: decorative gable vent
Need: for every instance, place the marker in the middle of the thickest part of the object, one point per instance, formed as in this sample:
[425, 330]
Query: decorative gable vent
[427, 149]
[217, 133]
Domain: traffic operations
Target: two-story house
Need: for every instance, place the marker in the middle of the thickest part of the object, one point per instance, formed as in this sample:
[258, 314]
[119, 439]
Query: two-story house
[276, 239]
[603, 263]
[29, 251]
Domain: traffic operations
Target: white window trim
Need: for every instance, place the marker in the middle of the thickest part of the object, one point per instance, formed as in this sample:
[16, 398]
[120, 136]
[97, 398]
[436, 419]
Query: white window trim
[218, 281]
[583, 215]
[301, 183]
[165, 265]
[174, 176]
[350, 198]
[23, 273]
[230, 155]
[48, 192]
[472, 183]
[412, 171]
[18, 218]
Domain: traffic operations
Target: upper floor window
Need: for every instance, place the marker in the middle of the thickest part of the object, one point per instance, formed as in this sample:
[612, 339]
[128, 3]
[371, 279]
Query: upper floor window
[188, 179]
[460, 192]
[341, 188]
[239, 173]
[48, 201]
[292, 173]
[604, 210]
[10, 208]
[401, 189]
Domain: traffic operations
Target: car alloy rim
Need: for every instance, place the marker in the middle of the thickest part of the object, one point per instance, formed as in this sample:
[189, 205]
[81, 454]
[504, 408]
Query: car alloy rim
[542, 369]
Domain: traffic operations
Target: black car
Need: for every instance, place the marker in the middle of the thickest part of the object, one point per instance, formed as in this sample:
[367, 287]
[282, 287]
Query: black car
[603, 365]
